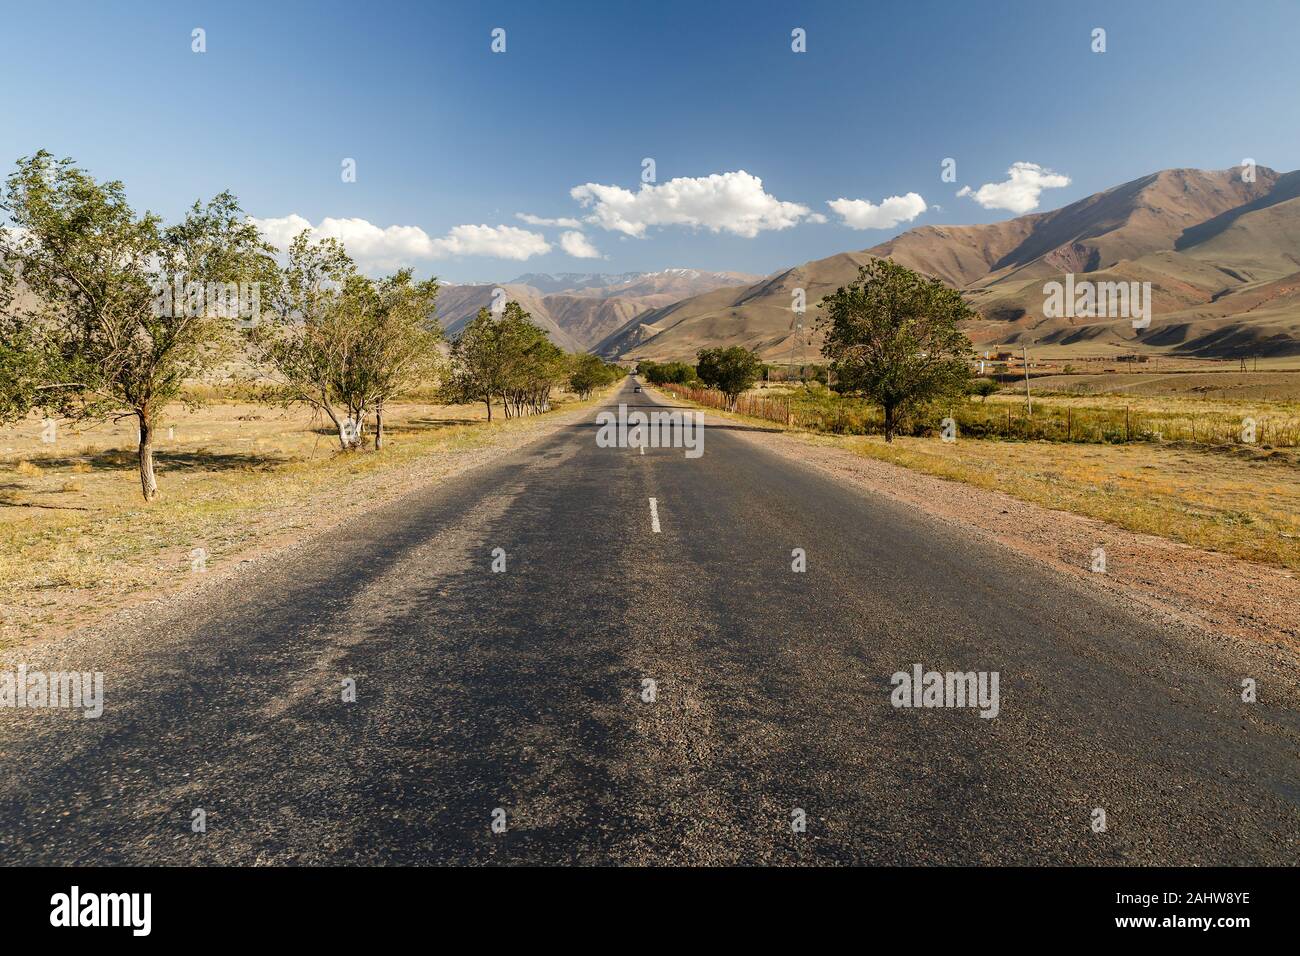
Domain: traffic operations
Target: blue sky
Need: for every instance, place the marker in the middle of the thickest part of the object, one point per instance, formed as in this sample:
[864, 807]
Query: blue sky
[447, 134]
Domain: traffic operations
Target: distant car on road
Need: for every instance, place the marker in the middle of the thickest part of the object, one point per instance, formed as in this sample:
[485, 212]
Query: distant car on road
[637, 389]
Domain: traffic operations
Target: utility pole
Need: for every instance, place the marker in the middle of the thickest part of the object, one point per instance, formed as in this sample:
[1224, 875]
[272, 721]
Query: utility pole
[1029, 402]
[798, 337]
[797, 325]
[803, 356]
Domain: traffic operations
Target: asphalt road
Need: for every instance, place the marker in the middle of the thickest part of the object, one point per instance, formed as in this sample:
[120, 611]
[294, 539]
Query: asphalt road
[523, 691]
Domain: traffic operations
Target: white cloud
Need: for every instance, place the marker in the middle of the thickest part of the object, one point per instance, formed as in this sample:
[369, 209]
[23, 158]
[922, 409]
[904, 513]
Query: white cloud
[863, 214]
[391, 247]
[542, 221]
[723, 202]
[1019, 194]
[500, 242]
[578, 246]
[817, 218]
[280, 232]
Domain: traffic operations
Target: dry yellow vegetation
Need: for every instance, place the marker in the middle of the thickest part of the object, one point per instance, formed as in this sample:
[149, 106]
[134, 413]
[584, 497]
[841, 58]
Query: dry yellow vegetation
[1246, 508]
[76, 538]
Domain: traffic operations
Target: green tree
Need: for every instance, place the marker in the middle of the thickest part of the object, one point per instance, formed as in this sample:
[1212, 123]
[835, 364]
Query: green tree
[125, 311]
[478, 362]
[21, 363]
[677, 373]
[308, 344]
[588, 373]
[398, 348]
[983, 387]
[730, 370]
[510, 358]
[893, 337]
[534, 364]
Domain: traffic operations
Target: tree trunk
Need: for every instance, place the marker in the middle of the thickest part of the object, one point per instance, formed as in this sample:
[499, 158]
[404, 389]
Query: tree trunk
[358, 419]
[338, 425]
[148, 483]
[488, 402]
[379, 425]
[889, 423]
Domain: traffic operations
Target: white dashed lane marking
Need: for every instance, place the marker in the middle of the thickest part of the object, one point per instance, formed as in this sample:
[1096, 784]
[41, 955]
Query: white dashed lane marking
[654, 515]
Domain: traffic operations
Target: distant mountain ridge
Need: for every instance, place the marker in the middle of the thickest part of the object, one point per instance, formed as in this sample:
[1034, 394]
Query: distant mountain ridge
[585, 281]
[1222, 254]
[580, 309]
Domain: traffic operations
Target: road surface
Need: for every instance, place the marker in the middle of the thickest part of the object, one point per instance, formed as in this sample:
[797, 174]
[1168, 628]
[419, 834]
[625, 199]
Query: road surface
[520, 696]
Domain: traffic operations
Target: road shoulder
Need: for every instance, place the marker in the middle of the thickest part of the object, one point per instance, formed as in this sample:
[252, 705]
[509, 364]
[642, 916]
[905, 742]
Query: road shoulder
[1212, 592]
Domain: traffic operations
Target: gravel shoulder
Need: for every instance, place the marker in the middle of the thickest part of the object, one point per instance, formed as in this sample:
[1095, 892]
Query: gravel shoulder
[1221, 597]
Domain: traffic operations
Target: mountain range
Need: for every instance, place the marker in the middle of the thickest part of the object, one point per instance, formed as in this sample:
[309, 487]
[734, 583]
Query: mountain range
[581, 309]
[1221, 249]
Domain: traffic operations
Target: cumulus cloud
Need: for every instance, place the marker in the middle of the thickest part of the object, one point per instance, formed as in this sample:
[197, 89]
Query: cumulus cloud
[1019, 194]
[864, 214]
[733, 202]
[578, 246]
[542, 221]
[389, 247]
[500, 242]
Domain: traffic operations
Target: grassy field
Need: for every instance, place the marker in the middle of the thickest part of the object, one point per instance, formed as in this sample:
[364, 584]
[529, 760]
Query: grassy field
[1239, 500]
[1269, 386]
[76, 536]
[1123, 418]
[1057, 415]
[1249, 508]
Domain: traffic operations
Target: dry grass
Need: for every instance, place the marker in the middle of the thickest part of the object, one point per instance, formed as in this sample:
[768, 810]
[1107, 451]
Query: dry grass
[1269, 385]
[77, 538]
[1141, 418]
[1055, 417]
[1246, 508]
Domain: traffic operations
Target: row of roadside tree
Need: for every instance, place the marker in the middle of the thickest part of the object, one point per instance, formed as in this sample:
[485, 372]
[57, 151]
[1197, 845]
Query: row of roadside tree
[509, 359]
[107, 314]
[731, 370]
